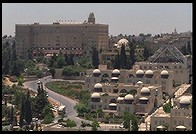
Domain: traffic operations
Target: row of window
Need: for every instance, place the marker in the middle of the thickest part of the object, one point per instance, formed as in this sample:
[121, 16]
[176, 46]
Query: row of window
[180, 122]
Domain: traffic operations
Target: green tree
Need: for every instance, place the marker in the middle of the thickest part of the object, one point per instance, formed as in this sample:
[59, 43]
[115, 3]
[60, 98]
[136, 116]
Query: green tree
[134, 121]
[28, 111]
[40, 101]
[70, 60]
[52, 71]
[60, 62]
[11, 115]
[132, 58]
[95, 57]
[117, 62]
[81, 109]
[123, 57]
[14, 55]
[15, 70]
[133, 92]
[22, 112]
[167, 107]
[30, 54]
[20, 80]
[66, 59]
[100, 113]
[70, 123]
[95, 126]
[146, 53]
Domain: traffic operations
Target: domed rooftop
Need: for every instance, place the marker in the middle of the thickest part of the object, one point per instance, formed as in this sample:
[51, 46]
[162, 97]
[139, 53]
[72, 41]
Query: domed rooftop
[95, 95]
[96, 71]
[98, 85]
[164, 72]
[143, 98]
[114, 78]
[145, 90]
[112, 104]
[120, 98]
[180, 126]
[149, 72]
[160, 126]
[140, 72]
[129, 97]
[115, 71]
[123, 41]
[185, 100]
[139, 82]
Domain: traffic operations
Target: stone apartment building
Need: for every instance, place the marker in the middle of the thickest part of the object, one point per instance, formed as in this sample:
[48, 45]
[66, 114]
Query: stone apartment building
[179, 119]
[69, 37]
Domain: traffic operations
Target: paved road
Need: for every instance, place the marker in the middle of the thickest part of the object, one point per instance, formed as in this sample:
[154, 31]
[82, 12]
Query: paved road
[71, 112]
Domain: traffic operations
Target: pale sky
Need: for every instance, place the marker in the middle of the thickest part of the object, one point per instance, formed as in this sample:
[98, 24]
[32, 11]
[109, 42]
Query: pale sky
[122, 18]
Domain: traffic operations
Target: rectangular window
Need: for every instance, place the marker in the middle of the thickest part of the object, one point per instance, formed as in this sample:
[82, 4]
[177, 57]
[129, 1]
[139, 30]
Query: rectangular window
[174, 122]
[119, 108]
[155, 122]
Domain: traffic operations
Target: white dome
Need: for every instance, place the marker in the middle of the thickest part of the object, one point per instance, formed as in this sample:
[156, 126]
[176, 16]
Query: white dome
[129, 97]
[123, 41]
[140, 72]
[115, 71]
[112, 104]
[96, 71]
[160, 126]
[95, 95]
[185, 100]
[98, 85]
[120, 98]
[149, 72]
[164, 72]
[145, 90]
[181, 127]
[143, 98]
[114, 78]
[139, 82]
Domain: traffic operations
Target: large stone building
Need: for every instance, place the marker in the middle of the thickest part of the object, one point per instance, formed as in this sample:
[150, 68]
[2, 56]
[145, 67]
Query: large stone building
[179, 119]
[152, 77]
[69, 38]
[170, 58]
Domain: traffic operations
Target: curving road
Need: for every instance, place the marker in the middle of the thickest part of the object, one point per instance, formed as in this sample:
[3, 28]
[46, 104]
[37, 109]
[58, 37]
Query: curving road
[58, 98]
[32, 85]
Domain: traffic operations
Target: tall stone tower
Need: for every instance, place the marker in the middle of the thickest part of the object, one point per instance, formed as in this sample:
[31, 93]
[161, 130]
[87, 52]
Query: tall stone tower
[91, 18]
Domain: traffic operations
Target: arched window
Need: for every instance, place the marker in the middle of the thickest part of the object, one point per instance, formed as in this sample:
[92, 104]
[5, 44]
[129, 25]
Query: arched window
[123, 91]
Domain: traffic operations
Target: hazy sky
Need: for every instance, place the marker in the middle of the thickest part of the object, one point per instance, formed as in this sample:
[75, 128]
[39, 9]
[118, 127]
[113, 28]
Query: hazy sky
[122, 18]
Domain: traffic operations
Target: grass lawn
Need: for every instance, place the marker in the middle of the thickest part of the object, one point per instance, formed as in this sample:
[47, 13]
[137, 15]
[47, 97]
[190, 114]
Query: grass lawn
[74, 90]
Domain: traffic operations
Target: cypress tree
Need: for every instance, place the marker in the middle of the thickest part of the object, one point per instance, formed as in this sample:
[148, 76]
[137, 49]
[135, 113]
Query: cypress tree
[132, 54]
[117, 62]
[14, 55]
[95, 58]
[28, 111]
[123, 57]
[146, 53]
[22, 112]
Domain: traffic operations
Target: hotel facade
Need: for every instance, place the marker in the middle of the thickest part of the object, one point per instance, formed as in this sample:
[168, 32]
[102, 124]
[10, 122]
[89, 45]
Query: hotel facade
[69, 38]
